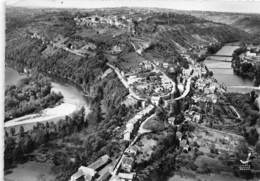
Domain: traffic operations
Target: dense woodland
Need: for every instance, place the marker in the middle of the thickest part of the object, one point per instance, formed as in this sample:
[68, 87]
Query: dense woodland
[31, 96]
[18, 144]
[162, 162]
[82, 140]
[249, 111]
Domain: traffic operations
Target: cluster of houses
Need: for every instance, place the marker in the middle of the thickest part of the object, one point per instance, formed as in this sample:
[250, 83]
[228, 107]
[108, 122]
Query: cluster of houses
[126, 166]
[123, 171]
[102, 169]
[121, 22]
[35, 35]
[154, 87]
[140, 44]
[253, 57]
[63, 43]
[182, 134]
[146, 80]
[117, 48]
[250, 56]
[151, 84]
[93, 172]
[164, 65]
[202, 84]
[208, 86]
[146, 65]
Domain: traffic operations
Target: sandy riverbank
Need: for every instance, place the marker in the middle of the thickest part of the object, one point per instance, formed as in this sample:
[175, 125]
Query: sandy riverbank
[59, 111]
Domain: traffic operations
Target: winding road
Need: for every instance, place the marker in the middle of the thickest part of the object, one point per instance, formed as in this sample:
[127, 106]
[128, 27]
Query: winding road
[141, 130]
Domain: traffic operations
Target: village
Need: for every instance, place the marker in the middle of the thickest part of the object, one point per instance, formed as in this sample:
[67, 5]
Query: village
[148, 83]
[120, 22]
[177, 96]
[246, 62]
[198, 132]
[252, 54]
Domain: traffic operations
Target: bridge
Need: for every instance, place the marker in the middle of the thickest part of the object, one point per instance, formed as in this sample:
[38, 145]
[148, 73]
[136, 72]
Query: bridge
[224, 58]
[219, 55]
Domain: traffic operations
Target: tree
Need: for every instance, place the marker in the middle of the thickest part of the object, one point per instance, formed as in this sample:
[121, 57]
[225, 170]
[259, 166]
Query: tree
[60, 158]
[21, 132]
[160, 113]
[28, 143]
[122, 110]
[99, 115]
[12, 130]
[257, 74]
[242, 151]
[6, 133]
[8, 156]
[160, 102]
[253, 96]
[100, 93]
[179, 119]
[176, 107]
[47, 125]
[138, 104]
[257, 147]
[252, 137]
[213, 149]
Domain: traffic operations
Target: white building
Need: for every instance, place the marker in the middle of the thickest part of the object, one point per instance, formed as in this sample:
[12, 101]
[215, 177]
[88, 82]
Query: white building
[196, 118]
[165, 65]
[132, 151]
[155, 100]
[171, 120]
[127, 136]
[126, 176]
[249, 54]
[87, 173]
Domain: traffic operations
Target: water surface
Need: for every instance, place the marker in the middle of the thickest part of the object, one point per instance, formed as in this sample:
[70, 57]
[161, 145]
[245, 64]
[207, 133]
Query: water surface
[73, 100]
[224, 74]
[12, 77]
[223, 71]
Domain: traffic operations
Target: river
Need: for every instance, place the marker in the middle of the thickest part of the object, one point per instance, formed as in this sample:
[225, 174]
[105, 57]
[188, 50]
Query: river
[73, 100]
[224, 74]
[223, 71]
[12, 77]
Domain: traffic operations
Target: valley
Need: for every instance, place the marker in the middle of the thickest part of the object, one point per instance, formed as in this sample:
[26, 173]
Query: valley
[147, 95]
